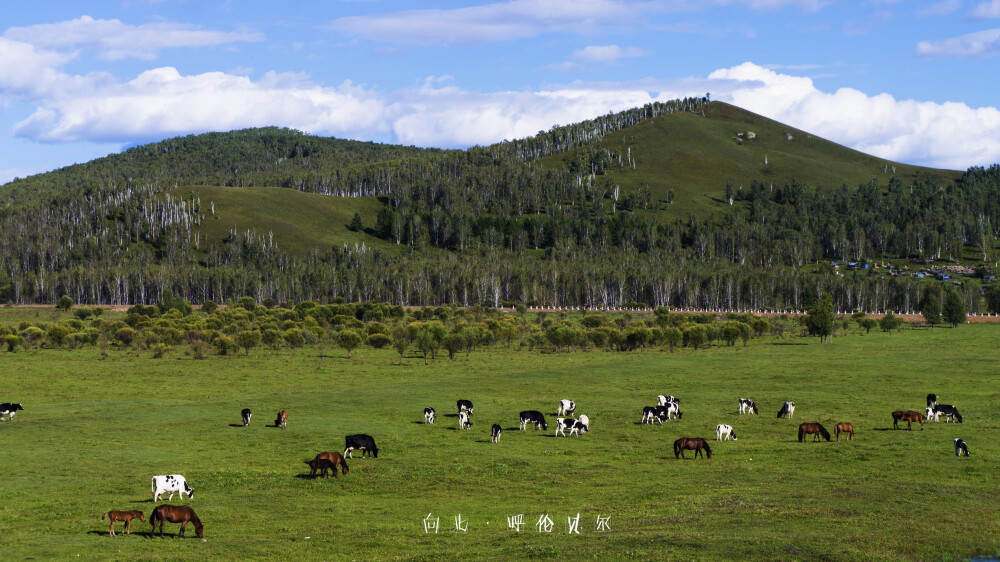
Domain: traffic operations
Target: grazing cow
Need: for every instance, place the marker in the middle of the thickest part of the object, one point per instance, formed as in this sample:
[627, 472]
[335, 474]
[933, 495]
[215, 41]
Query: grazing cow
[574, 426]
[662, 400]
[360, 441]
[175, 514]
[428, 415]
[8, 409]
[126, 516]
[534, 417]
[929, 414]
[654, 413]
[463, 420]
[245, 414]
[948, 411]
[674, 411]
[723, 432]
[961, 449]
[282, 419]
[173, 483]
[495, 432]
[585, 421]
[566, 407]
[464, 405]
[747, 406]
[327, 461]
[787, 409]
[931, 400]
[909, 416]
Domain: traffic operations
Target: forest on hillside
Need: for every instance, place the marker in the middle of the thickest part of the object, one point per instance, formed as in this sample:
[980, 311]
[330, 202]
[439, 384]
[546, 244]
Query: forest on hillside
[488, 225]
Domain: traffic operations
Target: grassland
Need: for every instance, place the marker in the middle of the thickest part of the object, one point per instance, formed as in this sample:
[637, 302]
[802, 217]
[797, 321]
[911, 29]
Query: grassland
[94, 431]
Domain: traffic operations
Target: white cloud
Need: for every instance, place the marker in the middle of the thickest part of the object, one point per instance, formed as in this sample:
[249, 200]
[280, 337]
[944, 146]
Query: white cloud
[987, 10]
[943, 8]
[115, 40]
[607, 53]
[771, 5]
[948, 135]
[979, 44]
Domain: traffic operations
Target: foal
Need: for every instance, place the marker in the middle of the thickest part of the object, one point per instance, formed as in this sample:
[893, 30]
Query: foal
[126, 516]
[845, 428]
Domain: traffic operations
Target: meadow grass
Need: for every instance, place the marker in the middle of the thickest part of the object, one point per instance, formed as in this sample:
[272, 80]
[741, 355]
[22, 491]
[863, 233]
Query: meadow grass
[94, 431]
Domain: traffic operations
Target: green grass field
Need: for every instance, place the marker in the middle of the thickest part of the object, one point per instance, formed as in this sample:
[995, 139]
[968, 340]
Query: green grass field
[94, 431]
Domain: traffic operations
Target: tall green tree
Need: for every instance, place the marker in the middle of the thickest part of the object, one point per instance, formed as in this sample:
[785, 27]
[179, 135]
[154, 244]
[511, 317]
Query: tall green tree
[819, 319]
[954, 308]
[931, 309]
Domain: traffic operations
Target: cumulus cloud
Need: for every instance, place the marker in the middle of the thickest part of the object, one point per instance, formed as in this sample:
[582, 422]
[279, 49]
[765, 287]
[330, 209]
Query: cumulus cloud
[978, 44]
[943, 8]
[987, 10]
[948, 135]
[115, 40]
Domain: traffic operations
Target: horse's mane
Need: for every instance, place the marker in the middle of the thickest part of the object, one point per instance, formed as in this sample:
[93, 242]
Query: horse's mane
[824, 432]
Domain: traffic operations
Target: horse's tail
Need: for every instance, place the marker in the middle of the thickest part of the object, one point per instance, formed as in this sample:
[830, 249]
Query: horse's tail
[802, 433]
[153, 517]
[677, 448]
[822, 430]
[108, 514]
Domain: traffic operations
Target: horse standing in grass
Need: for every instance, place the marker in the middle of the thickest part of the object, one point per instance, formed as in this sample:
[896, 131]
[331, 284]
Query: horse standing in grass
[334, 459]
[909, 416]
[175, 514]
[812, 428]
[696, 443]
[845, 428]
[126, 516]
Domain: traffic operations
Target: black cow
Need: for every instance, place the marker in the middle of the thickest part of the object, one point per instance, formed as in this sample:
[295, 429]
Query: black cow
[8, 408]
[947, 410]
[464, 405]
[535, 417]
[931, 400]
[961, 449]
[246, 416]
[360, 441]
[496, 432]
[655, 413]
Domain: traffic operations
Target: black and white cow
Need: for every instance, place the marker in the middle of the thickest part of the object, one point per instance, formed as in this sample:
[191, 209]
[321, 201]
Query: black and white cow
[948, 411]
[428, 415]
[464, 405]
[360, 441]
[533, 417]
[787, 409]
[566, 407]
[674, 410]
[463, 420]
[931, 400]
[662, 400]
[245, 414]
[747, 406]
[577, 426]
[961, 449]
[495, 432]
[723, 432]
[171, 483]
[654, 413]
[8, 409]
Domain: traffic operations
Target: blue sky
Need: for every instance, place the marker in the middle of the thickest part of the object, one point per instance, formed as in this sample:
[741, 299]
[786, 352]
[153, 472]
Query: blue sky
[911, 80]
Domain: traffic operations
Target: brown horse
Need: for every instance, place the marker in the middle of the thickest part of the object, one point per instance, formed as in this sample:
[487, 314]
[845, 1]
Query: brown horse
[814, 429]
[909, 416]
[282, 419]
[334, 459]
[696, 443]
[175, 514]
[846, 428]
[126, 516]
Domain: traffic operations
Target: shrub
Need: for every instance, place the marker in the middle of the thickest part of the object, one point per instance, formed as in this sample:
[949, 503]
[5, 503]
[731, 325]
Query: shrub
[349, 339]
[57, 334]
[209, 307]
[13, 342]
[378, 340]
[224, 345]
[160, 349]
[83, 313]
[64, 303]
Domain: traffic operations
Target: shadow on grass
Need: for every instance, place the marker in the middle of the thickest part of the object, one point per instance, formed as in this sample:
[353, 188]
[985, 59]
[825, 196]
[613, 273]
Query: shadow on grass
[235, 425]
[788, 343]
[305, 476]
[149, 500]
[450, 415]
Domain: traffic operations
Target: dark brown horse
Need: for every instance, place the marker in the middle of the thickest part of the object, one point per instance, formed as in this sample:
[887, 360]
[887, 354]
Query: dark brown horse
[282, 419]
[909, 416]
[175, 514]
[327, 461]
[126, 516]
[696, 443]
[845, 428]
[814, 429]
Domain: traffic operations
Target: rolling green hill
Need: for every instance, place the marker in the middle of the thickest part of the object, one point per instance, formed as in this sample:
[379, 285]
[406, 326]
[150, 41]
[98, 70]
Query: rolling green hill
[695, 154]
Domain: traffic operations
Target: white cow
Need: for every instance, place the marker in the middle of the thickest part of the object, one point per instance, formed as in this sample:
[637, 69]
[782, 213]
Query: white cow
[566, 407]
[662, 400]
[724, 431]
[463, 420]
[171, 483]
[578, 426]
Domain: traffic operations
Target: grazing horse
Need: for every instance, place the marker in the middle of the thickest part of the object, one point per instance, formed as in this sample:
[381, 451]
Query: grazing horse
[126, 516]
[328, 460]
[282, 419]
[815, 429]
[961, 448]
[845, 428]
[909, 416]
[696, 443]
[175, 514]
